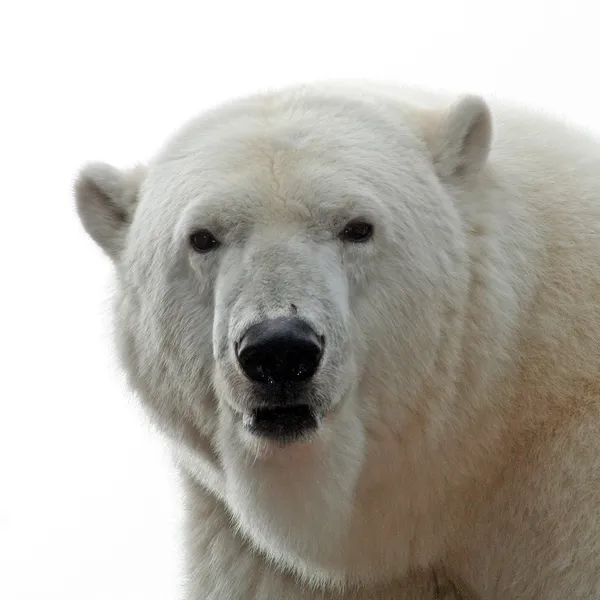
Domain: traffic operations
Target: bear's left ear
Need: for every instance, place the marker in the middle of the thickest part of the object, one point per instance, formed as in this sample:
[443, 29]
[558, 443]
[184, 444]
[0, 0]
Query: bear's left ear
[462, 139]
[106, 199]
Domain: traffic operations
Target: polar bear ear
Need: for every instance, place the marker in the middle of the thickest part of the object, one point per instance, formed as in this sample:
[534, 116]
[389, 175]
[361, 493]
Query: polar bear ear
[106, 199]
[462, 139]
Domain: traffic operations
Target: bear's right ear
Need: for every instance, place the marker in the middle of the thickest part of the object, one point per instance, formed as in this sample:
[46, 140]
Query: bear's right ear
[460, 137]
[106, 199]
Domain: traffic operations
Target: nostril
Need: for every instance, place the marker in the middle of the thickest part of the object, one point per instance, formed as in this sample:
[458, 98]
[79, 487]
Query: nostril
[299, 362]
[279, 351]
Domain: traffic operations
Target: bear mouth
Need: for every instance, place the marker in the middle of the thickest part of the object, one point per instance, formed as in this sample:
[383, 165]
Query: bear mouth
[283, 423]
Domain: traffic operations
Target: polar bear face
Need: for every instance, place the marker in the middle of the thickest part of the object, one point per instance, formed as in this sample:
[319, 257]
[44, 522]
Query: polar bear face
[291, 271]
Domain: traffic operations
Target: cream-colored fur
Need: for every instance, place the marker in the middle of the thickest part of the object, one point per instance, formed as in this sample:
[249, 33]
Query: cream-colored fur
[459, 455]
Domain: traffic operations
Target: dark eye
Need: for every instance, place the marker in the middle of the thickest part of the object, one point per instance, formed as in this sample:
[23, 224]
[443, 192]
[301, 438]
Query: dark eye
[357, 232]
[203, 241]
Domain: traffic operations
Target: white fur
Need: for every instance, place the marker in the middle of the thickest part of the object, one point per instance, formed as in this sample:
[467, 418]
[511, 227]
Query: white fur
[460, 448]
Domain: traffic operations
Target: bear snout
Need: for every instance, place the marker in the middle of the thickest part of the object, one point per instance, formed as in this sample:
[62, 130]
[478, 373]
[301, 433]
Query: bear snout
[280, 352]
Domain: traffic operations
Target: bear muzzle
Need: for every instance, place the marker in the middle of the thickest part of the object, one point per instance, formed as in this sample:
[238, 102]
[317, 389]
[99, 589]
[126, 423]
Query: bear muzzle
[279, 357]
[281, 351]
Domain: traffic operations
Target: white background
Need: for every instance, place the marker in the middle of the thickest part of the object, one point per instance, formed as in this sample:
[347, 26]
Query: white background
[88, 503]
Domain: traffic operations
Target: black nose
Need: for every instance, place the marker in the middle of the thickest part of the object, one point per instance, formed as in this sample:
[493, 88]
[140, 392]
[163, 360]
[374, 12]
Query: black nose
[279, 351]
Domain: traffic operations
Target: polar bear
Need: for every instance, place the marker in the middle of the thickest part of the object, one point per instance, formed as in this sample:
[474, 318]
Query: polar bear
[367, 320]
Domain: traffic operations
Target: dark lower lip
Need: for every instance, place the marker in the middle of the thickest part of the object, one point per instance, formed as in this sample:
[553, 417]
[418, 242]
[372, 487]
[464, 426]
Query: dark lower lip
[283, 424]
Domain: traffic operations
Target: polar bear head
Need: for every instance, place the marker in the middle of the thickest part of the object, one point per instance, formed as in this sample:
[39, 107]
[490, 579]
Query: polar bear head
[291, 282]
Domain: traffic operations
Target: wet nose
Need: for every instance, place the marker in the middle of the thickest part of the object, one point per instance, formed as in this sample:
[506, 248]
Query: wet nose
[280, 351]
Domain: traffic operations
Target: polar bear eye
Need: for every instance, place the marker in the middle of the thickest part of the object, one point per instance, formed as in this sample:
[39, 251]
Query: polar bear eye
[357, 232]
[203, 241]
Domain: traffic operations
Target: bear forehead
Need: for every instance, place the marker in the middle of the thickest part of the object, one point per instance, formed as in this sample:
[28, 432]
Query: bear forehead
[270, 130]
[285, 152]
